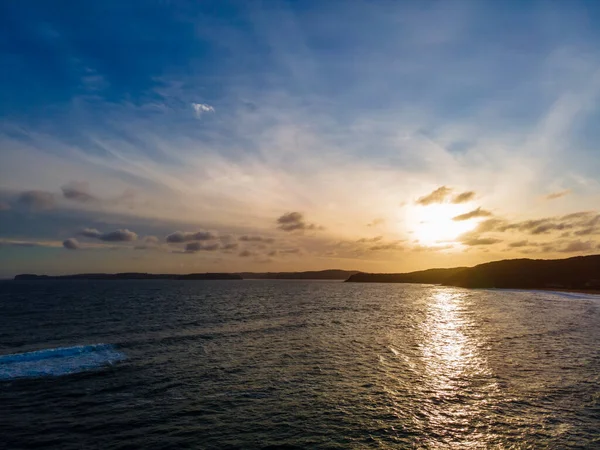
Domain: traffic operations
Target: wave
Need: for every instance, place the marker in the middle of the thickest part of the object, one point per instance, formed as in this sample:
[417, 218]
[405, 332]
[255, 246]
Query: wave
[58, 361]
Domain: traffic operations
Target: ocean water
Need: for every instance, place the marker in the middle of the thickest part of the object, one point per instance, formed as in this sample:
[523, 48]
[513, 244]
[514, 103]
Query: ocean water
[295, 364]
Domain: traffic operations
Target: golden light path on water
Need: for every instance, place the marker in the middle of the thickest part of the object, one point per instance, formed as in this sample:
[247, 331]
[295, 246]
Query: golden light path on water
[456, 376]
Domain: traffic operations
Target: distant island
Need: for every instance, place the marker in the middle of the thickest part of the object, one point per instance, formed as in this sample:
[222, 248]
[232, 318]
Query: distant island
[577, 273]
[132, 276]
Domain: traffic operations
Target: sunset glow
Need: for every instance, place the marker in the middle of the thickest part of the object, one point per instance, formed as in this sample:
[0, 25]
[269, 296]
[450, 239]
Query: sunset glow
[230, 137]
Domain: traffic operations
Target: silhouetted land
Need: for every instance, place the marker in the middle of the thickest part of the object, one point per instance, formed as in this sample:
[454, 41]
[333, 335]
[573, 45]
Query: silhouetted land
[132, 276]
[332, 274]
[429, 276]
[580, 273]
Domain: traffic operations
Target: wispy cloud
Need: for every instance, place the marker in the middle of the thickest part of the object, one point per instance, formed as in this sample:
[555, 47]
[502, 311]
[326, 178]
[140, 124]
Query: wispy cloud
[463, 197]
[558, 194]
[473, 214]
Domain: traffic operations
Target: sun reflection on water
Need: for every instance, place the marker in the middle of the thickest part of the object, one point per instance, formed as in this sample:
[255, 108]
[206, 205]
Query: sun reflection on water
[456, 376]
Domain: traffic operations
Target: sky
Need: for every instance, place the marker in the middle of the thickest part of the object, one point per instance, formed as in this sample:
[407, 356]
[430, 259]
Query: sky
[384, 136]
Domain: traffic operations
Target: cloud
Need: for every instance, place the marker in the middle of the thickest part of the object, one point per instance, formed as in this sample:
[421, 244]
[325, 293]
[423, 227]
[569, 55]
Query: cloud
[475, 241]
[78, 191]
[587, 231]
[230, 246]
[578, 246]
[285, 251]
[586, 220]
[437, 196]
[294, 221]
[433, 248]
[373, 239]
[290, 251]
[463, 197]
[386, 246]
[518, 244]
[111, 236]
[151, 240]
[581, 223]
[181, 236]
[376, 222]
[193, 247]
[119, 236]
[246, 254]
[247, 238]
[201, 108]
[555, 195]
[37, 200]
[149, 243]
[473, 214]
[441, 195]
[71, 244]
[90, 233]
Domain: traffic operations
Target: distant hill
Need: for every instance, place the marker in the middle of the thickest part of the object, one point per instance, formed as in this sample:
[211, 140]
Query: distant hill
[332, 274]
[581, 273]
[429, 276]
[132, 276]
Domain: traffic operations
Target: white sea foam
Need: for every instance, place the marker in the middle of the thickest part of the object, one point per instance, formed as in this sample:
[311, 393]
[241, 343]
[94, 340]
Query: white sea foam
[58, 361]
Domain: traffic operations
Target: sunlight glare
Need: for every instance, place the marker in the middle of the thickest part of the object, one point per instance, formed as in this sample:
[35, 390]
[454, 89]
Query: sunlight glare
[433, 225]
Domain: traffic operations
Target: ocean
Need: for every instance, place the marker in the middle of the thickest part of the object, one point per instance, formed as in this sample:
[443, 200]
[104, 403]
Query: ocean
[269, 364]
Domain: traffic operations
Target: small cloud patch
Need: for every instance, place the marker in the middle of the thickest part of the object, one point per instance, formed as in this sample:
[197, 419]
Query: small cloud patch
[202, 108]
[121, 235]
[193, 247]
[247, 238]
[71, 244]
[78, 191]
[294, 221]
[180, 236]
[437, 196]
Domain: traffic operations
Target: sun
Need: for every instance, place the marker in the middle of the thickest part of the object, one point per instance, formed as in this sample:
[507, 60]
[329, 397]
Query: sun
[433, 225]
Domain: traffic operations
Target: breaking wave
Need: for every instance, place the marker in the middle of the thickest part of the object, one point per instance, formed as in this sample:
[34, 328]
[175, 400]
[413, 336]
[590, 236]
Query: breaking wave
[58, 361]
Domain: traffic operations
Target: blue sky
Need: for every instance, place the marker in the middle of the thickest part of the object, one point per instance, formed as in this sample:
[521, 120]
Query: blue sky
[160, 116]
